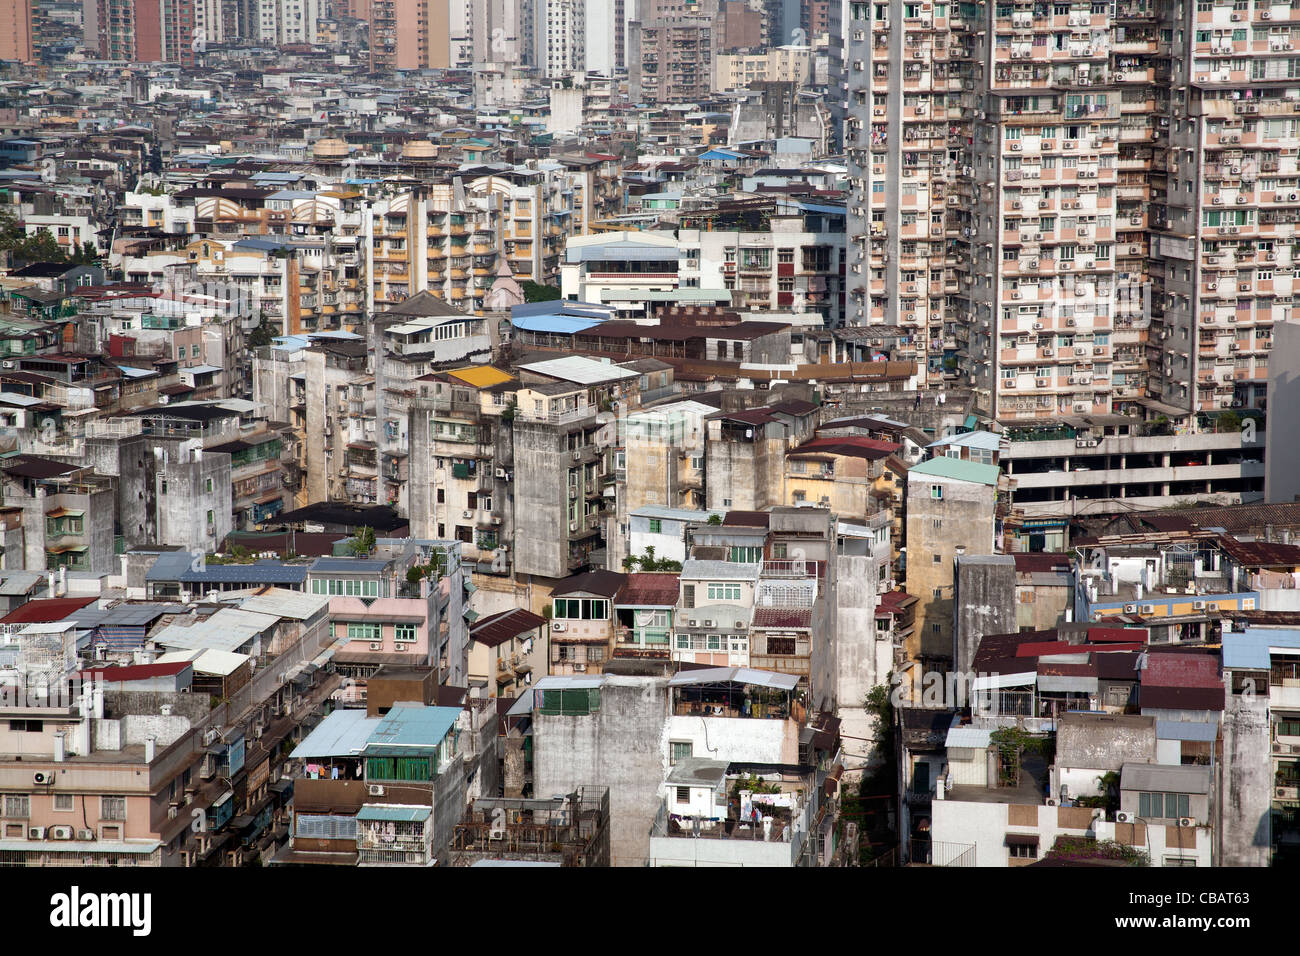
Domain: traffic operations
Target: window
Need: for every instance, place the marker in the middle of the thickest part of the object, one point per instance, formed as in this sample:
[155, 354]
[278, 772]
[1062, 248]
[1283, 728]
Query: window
[27, 726]
[362, 631]
[683, 794]
[1023, 851]
[404, 632]
[681, 750]
[207, 484]
[112, 808]
[17, 806]
[580, 609]
[656, 526]
[724, 592]
[63, 801]
[936, 492]
[1164, 805]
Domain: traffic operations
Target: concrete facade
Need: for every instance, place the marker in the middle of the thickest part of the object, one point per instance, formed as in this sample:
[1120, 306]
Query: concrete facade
[984, 602]
[620, 747]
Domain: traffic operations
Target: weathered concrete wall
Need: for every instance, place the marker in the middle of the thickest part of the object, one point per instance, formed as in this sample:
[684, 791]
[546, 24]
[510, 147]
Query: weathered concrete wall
[1104, 743]
[965, 519]
[861, 661]
[620, 747]
[542, 463]
[1245, 791]
[984, 602]
[191, 707]
[1282, 466]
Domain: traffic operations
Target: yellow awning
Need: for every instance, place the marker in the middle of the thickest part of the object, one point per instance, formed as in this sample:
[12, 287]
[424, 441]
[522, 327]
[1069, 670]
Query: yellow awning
[482, 376]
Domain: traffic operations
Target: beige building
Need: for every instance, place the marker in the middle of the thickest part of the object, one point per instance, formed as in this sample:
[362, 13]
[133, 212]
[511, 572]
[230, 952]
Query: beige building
[951, 509]
[785, 64]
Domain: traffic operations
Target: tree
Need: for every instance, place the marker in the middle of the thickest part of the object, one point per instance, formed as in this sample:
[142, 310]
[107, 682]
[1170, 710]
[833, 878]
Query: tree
[42, 247]
[85, 256]
[715, 519]
[263, 335]
[536, 292]
[363, 542]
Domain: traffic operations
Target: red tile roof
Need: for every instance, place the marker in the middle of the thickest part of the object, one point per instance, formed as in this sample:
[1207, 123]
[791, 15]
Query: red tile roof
[651, 589]
[1181, 670]
[782, 617]
[496, 629]
[45, 610]
[119, 675]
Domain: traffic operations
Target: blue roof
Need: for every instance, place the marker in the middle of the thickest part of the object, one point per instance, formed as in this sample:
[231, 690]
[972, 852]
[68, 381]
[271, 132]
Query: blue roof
[984, 440]
[560, 324]
[1186, 730]
[717, 153]
[1250, 651]
[410, 729]
[349, 565]
[562, 307]
[267, 245]
[177, 566]
[818, 207]
[341, 734]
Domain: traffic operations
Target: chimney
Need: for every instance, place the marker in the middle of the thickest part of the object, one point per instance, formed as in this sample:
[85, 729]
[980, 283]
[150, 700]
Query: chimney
[63, 580]
[150, 748]
[58, 747]
[49, 576]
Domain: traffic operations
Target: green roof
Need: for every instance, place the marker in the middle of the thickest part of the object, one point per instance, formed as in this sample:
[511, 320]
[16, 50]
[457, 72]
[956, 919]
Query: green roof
[944, 467]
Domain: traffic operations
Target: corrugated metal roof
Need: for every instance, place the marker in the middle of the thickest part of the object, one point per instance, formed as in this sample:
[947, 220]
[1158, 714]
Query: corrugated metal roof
[582, 371]
[282, 602]
[721, 570]
[226, 630]
[984, 440]
[396, 813]
[207, 661]
[944, 467]
[524, 705]
[343, 733]
[1251, 650]
[1164, 777]
[970, 738]
[557, 324]
[1186, 730]
[735, 675]
[348, 566]
[410, 729]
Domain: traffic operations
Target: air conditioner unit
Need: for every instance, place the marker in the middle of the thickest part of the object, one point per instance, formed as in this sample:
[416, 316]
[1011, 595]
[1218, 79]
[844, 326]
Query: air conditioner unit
[375, 790]
[467, 514]
[1009, 383]
[1123, 817]
[1186, 822]
[1130, 608]
[559, 627]
[1198, 605]
[580, 668]
[1049, 352]
[42, 776]
[60, 833]
[86, 835]
[1148, 609]
[1041, 383]
[36, 833]
[376, 647]
[1218, 200]
[1212, 606]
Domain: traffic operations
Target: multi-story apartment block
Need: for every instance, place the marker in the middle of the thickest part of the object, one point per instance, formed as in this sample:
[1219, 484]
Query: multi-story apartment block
[675, 60]
[557, 432]
[1134, 167]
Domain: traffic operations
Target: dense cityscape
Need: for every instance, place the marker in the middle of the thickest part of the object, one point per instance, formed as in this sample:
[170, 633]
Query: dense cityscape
[649, 433]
